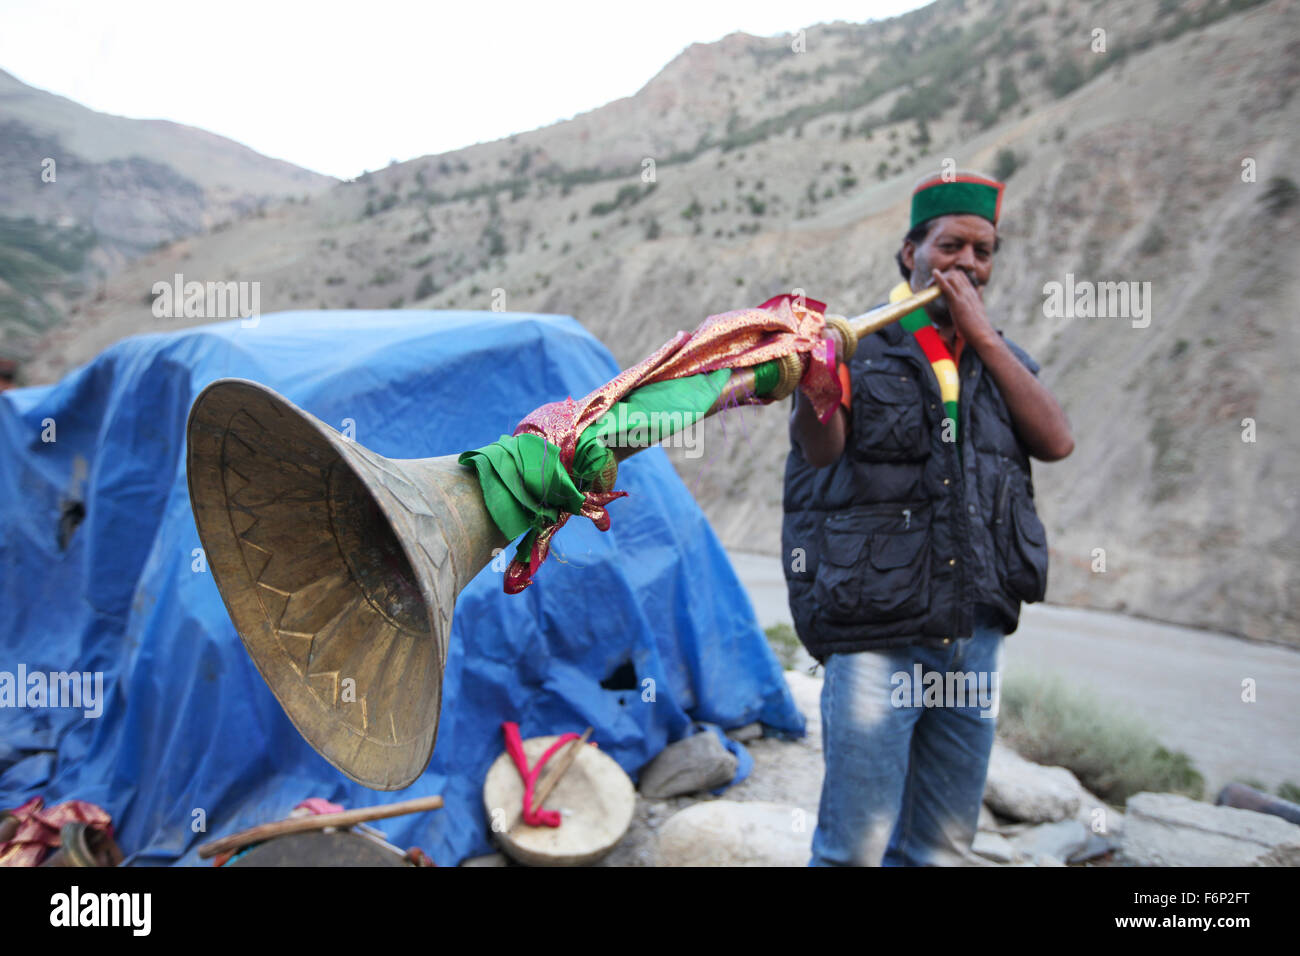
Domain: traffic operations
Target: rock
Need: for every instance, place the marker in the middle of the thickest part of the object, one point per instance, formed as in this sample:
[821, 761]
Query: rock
[1109, 819]
[987, 820]
[749, 732]
[637, 848]
[491, 859]
[1166, 829]
[1097, 845]
[1022, 790]
[1055, 840]
[727, 833]
[695, 763]
[993, 846]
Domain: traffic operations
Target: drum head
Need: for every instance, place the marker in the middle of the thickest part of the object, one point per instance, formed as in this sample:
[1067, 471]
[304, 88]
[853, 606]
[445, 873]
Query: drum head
[595, 799]
[319, 848]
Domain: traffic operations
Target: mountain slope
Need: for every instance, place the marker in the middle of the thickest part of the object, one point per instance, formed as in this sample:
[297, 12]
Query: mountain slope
[775, 169]
[84, 192]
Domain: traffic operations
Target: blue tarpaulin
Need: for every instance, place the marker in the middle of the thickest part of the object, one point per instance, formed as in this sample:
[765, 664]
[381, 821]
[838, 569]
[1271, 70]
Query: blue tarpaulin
[190, 743]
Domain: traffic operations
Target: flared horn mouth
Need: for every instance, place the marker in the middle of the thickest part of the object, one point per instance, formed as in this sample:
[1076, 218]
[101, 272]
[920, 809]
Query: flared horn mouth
[339, 570]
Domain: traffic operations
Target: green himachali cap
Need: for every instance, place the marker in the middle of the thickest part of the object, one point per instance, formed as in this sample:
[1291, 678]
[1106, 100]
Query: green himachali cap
[961, 192]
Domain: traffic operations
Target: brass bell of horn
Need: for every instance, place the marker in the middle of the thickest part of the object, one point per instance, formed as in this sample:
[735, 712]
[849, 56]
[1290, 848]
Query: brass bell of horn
[340, 569]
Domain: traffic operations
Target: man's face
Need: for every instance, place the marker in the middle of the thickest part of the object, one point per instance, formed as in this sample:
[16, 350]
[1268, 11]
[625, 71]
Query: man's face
[954, 242]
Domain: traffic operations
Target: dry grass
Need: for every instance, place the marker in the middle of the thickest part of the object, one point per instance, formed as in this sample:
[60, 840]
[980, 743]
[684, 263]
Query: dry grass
[1112, 753]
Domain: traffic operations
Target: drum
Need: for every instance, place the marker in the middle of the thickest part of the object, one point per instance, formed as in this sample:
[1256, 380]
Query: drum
[595, 799]
[320, 848]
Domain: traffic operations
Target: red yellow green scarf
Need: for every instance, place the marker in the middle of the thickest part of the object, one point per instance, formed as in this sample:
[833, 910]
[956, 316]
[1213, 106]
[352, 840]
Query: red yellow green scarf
[927, 336]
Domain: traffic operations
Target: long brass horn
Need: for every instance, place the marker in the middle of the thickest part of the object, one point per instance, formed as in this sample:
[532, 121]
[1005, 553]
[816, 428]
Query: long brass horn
[340, 568]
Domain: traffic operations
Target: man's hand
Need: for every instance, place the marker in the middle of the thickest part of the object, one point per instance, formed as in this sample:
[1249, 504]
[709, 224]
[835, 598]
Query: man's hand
[966, 306]
[821, 445]
[1035, 412]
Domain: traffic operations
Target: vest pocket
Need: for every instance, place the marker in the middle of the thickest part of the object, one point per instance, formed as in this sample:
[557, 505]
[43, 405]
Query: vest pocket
[1021, 543]
[889, 418]
[874, 564]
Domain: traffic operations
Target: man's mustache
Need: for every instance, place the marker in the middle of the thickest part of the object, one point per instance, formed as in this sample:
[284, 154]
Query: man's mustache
[974, 279]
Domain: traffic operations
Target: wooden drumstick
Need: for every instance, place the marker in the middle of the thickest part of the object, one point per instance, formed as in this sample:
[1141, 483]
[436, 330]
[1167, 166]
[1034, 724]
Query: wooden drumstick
[316, 822]
[558, 770]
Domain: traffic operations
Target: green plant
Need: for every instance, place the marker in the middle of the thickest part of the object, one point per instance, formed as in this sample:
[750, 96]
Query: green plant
[1008, 92]
[1005, 165]
[977, 109]
[784, 643]
[1065, 78]
[426, 286]
[496, 243]
[387, 202]
[1280, 194]
[1153, 242]
[627, 195]
[923, 102]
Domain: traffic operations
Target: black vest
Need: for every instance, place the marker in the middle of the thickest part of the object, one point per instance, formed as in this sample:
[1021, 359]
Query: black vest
[898, 540]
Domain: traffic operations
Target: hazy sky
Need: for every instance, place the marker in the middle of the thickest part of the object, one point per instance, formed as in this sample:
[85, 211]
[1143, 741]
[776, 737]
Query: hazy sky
[342, 87]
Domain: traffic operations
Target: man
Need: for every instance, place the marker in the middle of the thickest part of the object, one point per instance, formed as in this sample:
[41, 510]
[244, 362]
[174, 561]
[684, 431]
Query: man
[910, 538]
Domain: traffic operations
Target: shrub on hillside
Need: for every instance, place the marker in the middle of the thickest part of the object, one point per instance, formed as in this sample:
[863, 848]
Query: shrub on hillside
[1065, 78]
[1280, 195]
[1006, 163]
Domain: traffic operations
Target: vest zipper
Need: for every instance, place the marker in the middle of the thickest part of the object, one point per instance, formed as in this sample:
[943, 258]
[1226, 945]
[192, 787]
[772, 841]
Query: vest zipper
[965, 403]
[1004, 488]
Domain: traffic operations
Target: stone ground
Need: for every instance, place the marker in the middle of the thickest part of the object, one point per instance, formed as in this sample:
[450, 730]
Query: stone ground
[788, 772]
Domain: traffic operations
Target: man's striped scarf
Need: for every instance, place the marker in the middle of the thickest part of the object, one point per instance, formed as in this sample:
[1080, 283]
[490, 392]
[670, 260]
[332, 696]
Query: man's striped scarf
[927, 336]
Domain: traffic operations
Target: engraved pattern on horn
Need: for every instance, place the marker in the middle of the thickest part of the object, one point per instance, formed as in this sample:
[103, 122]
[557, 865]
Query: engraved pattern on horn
[336, 564]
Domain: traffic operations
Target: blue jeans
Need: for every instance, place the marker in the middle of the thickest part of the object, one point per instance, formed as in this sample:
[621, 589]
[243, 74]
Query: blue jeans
[907, 753]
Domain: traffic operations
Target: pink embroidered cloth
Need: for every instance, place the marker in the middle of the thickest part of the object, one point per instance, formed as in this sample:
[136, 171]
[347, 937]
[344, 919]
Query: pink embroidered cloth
[39, 826]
